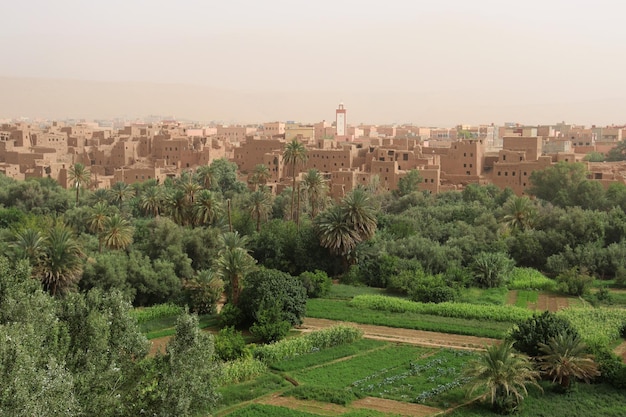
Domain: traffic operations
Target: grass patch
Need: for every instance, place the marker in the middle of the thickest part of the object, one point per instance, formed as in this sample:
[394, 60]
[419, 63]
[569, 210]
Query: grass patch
[340, 310]
[586, 400]
[264, 410]
[323, 394]
[167, 326]
[327, 355]
[530, 279]
[346, 292]
[488, 296]
[246, 391]
[526, 296]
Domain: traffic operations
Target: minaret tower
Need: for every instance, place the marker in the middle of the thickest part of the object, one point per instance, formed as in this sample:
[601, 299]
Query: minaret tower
[341, 122]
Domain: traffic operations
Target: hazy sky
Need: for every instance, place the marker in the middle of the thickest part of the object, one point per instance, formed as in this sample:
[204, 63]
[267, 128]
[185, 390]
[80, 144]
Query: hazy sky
[427, 62]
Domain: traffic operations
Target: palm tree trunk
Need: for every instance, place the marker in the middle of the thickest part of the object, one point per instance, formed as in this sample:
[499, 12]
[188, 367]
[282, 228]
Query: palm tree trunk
[258, 221]
[293, 188]
[77, 193]
[298, 210]
[230, 220]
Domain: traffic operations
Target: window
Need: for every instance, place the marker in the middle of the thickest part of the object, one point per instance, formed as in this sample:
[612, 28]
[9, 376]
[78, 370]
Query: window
[464, 153]
[513, 173]
[471, 165]
[499, 173]
[464, 165]
[504, 157]
[525, 173]
[467, 172]
[506, 173]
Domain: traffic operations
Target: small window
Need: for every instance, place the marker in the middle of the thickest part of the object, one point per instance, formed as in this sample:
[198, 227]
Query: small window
[467, 172]
[499, 173]
[504, 157]
[464, 165]
[513, 173]
[506, 173]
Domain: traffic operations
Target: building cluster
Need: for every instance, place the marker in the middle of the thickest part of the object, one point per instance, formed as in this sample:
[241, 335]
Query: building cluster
[349, 156]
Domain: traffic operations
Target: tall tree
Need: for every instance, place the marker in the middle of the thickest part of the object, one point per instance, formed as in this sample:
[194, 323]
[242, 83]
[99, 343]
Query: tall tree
[335, 231]
[62, 261]
[151, 201]
[120, 193]
[29, 244]
[96, 222]
[207, 207]
[315, 187]
[259, 204]
[260, 175]
[360, 212]
[206, 177]
[295, 154]
[518, 213]
[234, 263]
[79, 176]
[503, 374]
[117, 232]
[565, 359]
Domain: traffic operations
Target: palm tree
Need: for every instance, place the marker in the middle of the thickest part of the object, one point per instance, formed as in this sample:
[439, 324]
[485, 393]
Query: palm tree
[518, 213]
[117, 233]
[564, 359]
[189, 187]
[29, 244]
[99, 196]
[151, 201]
[205, 175]
[207, 207]
[234, 263]
[61, 264]
[335, 232]
[503, 374]
[98, 216]
[178, 206]
[360, 212]
[119, 193]
[260, 175]
[315, 187]
[294, 154]
[259, 204]
[78, 175]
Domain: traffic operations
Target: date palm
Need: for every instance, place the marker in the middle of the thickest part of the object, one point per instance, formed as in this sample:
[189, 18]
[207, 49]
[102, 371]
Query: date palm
[29, 244]
[99, 196]
[98, 216]
[565, 359]
[61, 265]
[335, 231]
[119, 193]
[518, 213]
[503, 374]
[259, 204]
[316, 188]
[78, 176]
[151, 201]
[295, 153]
[206, 177]
[260, 175]
[234, 263]
[178, 206]
[360, 212]
[117, 232]
[207, 208]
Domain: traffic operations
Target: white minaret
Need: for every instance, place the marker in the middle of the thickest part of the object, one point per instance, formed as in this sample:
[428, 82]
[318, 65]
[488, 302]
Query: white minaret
[341, 121]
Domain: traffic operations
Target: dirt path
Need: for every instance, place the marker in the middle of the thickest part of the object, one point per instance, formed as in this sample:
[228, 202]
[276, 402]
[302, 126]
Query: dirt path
[551, 302]
[415, 337]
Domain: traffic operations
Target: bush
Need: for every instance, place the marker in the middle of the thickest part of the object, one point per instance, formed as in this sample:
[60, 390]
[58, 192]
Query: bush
[231, 315]
[539, 329]
[317, 283]
[491, 269]
[574, 281]
[229, 344]
[156, 312]
[612, 369]
[432, 290]
[270, 325]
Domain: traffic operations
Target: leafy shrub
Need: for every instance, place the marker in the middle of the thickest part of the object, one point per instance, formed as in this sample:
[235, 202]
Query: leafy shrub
[270, 325]
[322, 339]
[432, 289]
[530, 279]
[242, 369]
[539, 329]
[491, 269]
[203, 292]
[229, 344]
[575, 281]
[458, 277]
[231, 315]
[612, 369]
[447, 309]
[156, 312]
[317, 283]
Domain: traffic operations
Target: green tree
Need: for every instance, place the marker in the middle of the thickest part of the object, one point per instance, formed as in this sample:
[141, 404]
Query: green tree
[503, 374]
[617, 153]
[97, 220]
[259, 204]
[29, 244]
[117, 232]
[295, 154]
[409, 183]
[360, 213]
[565, 359]
[234, 263]
[315, 188]
[204, 291]
[594, 157]
[518, 213]
[151, 201]
[208, 208]
[336, 232]
[120, 193]
[61, 264]
[79, 176]
[260, 175]
[539, 329]
[206, 177]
